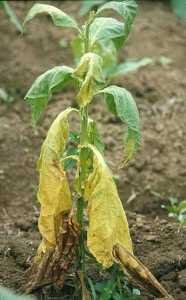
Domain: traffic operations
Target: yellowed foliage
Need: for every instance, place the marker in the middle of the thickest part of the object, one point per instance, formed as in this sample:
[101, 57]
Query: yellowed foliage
[90, 71]
[108, 225]
[54, 193]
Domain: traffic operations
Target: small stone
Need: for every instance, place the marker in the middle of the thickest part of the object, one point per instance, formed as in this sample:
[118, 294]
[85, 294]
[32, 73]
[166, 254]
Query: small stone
[151, 238]
[158, 167]
[159, 127]
[140, 164]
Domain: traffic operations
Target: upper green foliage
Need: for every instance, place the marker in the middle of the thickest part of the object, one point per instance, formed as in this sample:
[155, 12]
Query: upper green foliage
[96, 57]
[121, 103]
[105, 29]
[126, 9]
[107, 35]
[59, 18]
[88, 5]
[43, 87]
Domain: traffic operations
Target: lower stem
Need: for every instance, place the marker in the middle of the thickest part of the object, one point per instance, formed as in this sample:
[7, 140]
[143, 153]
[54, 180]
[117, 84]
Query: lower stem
[81, 250]
[82, 174]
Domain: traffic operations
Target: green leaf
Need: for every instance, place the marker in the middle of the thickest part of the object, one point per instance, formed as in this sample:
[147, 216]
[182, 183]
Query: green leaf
[89, 71]
[94, 136]
[43, 87]
[87, 5]
[12, 16]
[59, 18]
[72, 151]
[182, 206]
[108, 52]
[105, 29]
[129, 66]
[105, 49]
[77, 48]
[126, 9]
[179, 7]
[93, 292]
[121, 103]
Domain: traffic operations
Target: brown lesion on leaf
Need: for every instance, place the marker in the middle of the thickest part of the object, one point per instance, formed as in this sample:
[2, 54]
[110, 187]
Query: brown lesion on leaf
[55, 263]
[138, 273]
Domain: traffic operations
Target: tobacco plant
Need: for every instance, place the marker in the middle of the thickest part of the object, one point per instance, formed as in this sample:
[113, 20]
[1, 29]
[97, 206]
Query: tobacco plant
[107, 48]
[86, 218]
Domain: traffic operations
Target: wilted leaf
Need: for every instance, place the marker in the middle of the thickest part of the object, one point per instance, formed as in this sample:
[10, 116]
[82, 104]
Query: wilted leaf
[107, 221]
[89, 71]
[127, 9]
[105, 29]
[121, 103]
[43, 87]
[53, 194]
[129, 66]
[59, 18]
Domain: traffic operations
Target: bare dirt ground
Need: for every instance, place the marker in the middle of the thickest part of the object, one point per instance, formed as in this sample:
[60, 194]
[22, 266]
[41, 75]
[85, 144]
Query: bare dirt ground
[158, 169]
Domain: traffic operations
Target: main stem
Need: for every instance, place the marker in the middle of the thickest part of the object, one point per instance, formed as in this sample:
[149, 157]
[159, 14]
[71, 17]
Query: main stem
[82, 172]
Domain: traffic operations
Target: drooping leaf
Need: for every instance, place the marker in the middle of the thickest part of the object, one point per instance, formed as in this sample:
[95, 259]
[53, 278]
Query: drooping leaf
[105, 29]
[127, 9]
[54, 193]
[12, 16]
[129, 66]
[89, 71]
[107, 221]
[59, 18]
[121, 103]
[94, 136]
[86, 6]
[43, 87]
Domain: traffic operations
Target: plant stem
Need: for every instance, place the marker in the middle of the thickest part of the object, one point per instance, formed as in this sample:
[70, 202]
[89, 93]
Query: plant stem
[87, 29]
[83, 160]
[84, 123]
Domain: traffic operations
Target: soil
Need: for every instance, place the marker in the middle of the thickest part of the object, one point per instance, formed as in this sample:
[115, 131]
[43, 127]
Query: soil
[159, 169]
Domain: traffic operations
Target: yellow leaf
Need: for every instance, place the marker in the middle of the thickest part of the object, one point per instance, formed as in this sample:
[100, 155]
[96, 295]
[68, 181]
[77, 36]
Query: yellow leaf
[54, 193]
[107, 220]
[90, 72]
